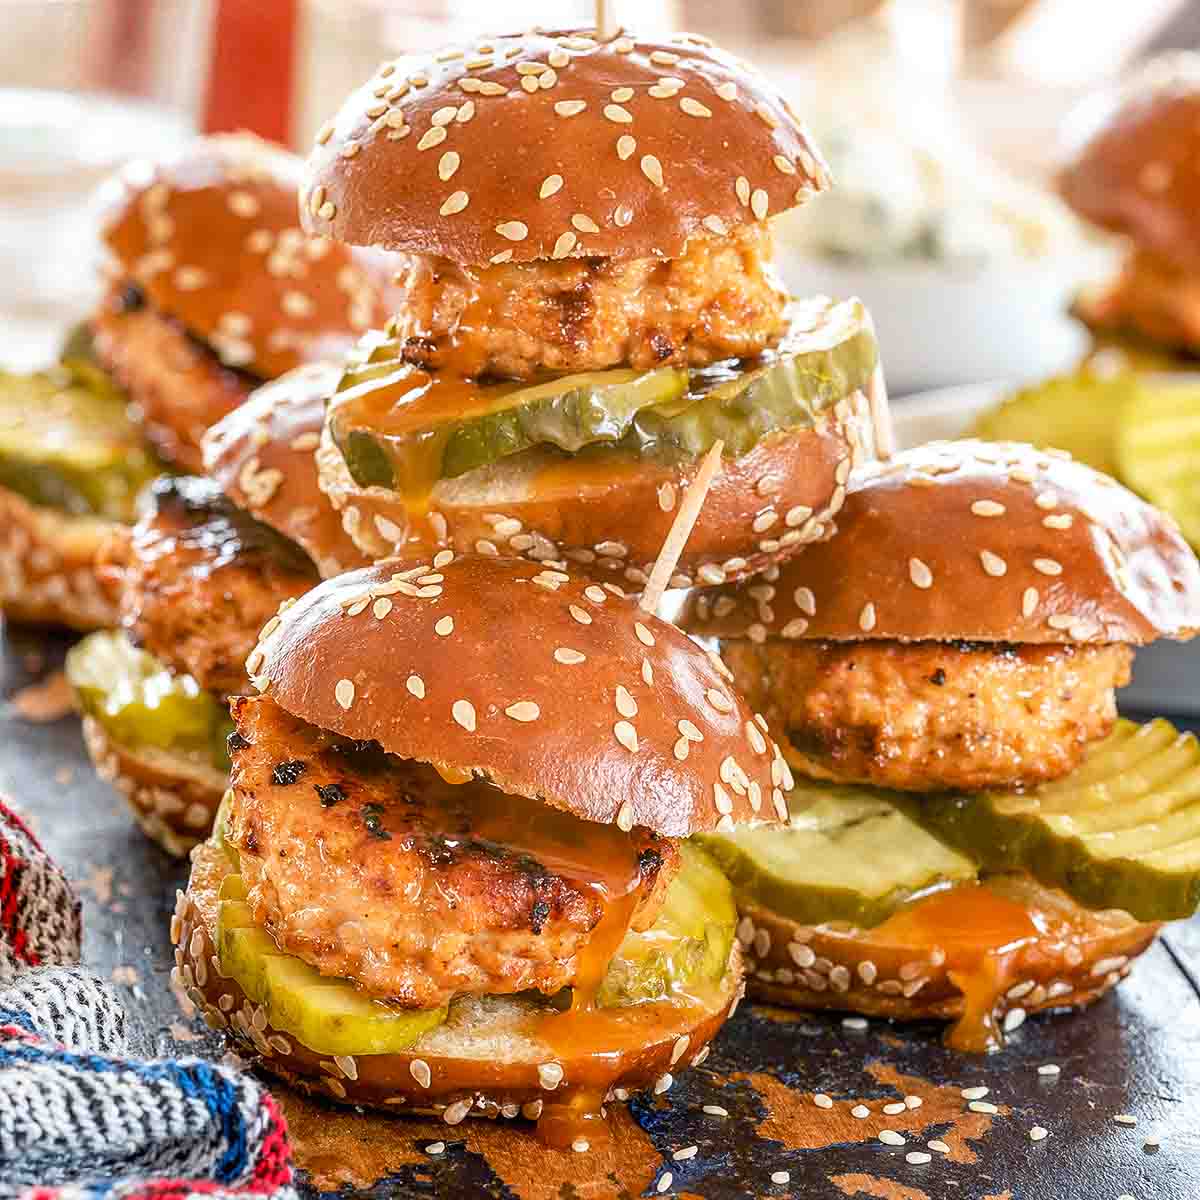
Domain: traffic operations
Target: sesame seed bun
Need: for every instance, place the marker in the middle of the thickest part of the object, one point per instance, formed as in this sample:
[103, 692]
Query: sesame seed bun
[173, 798]
[262, 456]
[1135, 160]
[550, 144]
[487, 1060]
[763, 506]
[552, 687]
[47, 566]
[211, 237]
[847, 970]
[976, 541]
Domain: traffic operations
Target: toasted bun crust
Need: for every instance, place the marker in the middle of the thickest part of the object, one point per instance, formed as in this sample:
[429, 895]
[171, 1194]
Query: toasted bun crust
[210, 235]
[173, 799]
[262, 456]
[47, 566]
[977, 541]
[1135, 161]
[483, 1062]
[849, 972]
[543, 145]
[762, 507]
[462, 664]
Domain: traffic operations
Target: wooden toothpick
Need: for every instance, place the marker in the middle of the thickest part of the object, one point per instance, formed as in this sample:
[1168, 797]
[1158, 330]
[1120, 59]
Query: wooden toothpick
[606, 24]
[681, 529]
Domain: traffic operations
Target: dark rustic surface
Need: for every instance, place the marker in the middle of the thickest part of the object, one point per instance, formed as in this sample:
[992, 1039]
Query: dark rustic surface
[1136, 1052]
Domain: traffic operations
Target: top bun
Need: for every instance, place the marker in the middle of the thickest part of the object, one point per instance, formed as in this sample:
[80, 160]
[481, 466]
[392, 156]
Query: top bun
[211, 235]
[550, 144]
[976, 541]
[550, 686]
[263, 457]
[1135, 166]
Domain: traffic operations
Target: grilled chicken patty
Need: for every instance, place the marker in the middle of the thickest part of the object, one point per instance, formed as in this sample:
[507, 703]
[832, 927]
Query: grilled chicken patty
[177, 382]
[197, 578]
[719, 300]
[1150, 297]
[925, 716]
[374, 868]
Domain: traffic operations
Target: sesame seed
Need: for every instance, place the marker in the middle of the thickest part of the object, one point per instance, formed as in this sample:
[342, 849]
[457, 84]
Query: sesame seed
[784, 164]
[780, 1177]
[344, 693]
[918, 1157]
[1049, 1069]
[514, 231]
[889, 1137]
[919, 573]
[419, 1070]
[983, 1106]
[892, 1110]
[463, 712]
[1029, 602]
[622, 215]
[569, 657]
[550, 1075]
[190, 279]
[584, 223]
[502, 257]
[530, 84]
[523, 710]
[625, 817]
[465, 112]
[860, 1111]
[822, 1101]
[448, 164]
[569, 108]
[663, 1083]
[626, 704]
[1038, 1133]
[454, 203]
[686, 1153]
[581, 1145]
[327, 211]
[993, 564]
[381, 608]
[444, 627]
[580, 614]
[652, 169]
[626, 735]
[938, 1145]
[614, 112]
[416, 685]
[1047, 566]
[1125, 1119]
[974, 1093]
[564, 244]
[434, 136]
[665, 1181]
[1058, 521]
[866, 619]
[297, 304]
[646, 638]
[719, 700]
[435, 1148]
[694, 108]
[759, 203]
[550, 185]
[987, 508]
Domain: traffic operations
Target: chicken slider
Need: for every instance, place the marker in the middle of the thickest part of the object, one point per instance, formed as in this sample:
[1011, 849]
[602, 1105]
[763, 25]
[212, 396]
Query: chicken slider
[453, 874]
[193, 581]
[974, 833]
[589, 305]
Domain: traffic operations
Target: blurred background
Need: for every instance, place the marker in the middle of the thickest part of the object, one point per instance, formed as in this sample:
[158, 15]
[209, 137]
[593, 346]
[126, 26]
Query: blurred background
[942, 120]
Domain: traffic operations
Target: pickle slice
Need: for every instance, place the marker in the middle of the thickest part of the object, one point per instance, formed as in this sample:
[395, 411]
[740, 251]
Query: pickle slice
[66, 442]
[687, 945]
[400, 427]
[847, 854]
[1158, 449]
[1121, 832]
[1079, 413]
[140, 703]
[329, 1016]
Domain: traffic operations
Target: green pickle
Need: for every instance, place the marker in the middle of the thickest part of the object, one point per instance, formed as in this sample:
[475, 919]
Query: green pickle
[1079, 413]
[1121, 832]
[688, 945]
[329, 1016]
[67, 442]
[140, 703]
[847, 854]
[399, 428]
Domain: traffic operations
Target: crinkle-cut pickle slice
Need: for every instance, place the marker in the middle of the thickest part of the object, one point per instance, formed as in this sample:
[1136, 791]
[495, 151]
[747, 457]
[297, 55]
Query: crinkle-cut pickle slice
[140, 703]
[329, 1016]
[1158, 450]
[1121, 832]
[66, 442]
[848, 853]
[1079, 413]
[402, 428]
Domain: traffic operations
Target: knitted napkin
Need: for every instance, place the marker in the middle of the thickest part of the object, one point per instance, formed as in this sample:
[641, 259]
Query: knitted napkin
[78, 1118]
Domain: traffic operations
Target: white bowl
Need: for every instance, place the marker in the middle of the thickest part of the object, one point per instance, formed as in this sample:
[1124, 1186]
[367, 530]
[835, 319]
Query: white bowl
[1166, 675]
[941, 324]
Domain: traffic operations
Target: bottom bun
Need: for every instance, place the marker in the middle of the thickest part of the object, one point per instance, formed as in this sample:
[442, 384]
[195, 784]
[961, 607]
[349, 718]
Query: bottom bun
[174, 798]
[849, 971]
[486, 1060]
[47, 566]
